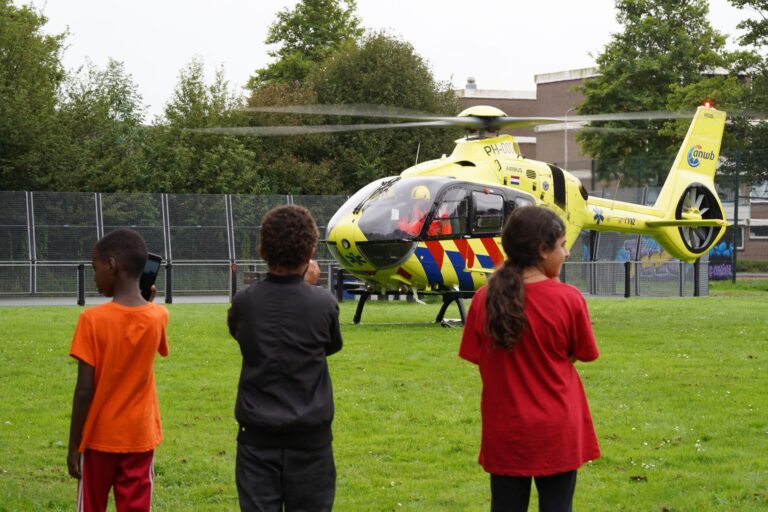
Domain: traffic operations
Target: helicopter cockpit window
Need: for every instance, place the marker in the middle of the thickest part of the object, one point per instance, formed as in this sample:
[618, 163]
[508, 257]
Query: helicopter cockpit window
[399, 210]
[359, 198]
[489, 213]
[450, 219]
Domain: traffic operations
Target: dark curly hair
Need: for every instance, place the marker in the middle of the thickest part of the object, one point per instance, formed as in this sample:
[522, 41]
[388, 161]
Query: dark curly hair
[527, 231]
[288, 236]
[127, 247]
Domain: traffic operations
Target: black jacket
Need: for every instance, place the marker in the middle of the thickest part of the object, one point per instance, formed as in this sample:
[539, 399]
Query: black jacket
[285, 328]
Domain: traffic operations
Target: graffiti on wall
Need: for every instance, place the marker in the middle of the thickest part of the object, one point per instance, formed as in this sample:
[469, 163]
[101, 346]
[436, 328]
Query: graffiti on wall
[721, 260]
[654, 260]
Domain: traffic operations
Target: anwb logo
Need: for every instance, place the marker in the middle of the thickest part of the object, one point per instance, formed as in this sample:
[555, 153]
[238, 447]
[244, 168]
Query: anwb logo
[695, 153]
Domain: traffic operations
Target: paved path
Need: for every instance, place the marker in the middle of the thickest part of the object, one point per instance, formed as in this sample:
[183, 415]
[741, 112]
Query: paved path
[92, 301]
[751, 275]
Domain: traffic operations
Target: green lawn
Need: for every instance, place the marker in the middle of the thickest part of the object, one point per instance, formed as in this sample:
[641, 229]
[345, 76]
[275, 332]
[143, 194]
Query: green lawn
[678, 398]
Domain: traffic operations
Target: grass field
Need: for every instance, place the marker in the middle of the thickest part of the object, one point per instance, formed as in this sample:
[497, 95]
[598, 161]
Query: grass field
[678, 397]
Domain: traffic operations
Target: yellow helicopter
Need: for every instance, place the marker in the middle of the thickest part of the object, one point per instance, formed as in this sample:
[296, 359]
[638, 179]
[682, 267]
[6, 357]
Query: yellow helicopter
[434, 229]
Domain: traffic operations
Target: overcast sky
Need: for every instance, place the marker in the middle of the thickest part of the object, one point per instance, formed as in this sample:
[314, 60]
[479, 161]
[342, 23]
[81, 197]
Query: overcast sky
[502, 43]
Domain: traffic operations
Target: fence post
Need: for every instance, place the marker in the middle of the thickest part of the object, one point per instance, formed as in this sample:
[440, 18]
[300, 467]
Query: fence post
[81, 284]
[696, 275]
[233, 279]
[681, 273]
[340, 285]
[736, 230]
[169, 283]
[627, 280]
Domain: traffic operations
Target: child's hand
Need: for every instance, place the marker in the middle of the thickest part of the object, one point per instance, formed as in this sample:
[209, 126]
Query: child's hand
[73, 463]
[312, 274]
[152, 293]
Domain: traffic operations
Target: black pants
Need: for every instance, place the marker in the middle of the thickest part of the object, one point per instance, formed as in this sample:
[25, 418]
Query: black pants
[269, 479]
[512, 493]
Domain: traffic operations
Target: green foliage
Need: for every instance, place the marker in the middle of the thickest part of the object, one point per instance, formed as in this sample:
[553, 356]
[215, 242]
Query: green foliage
[186, 161]
[306, 36]
[673, 404]
[194, 104]
[743, 265]
[100, 130]
[383, 70]
[30, 75]
[665, 57]
[756, 30]
[86, 131]
[751, 136]
[379, 70]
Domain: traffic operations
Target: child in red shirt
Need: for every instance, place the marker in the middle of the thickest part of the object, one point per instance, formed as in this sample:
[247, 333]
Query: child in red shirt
[115, 423]
[524, 330]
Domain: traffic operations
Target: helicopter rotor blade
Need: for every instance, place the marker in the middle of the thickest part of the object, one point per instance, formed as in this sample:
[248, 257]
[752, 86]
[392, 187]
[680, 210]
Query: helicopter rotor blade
[350, 110]
[418, 120]
[381, 111]
[649, 115]
[277, 131]
[527, 122]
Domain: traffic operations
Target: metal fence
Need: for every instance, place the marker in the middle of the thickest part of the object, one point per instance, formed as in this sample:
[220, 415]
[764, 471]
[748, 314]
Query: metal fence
[606, 278]
[44, 236]
[210, 244]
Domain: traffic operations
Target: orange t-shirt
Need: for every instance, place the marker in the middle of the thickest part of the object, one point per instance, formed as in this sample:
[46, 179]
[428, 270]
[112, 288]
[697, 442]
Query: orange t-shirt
[120, 343]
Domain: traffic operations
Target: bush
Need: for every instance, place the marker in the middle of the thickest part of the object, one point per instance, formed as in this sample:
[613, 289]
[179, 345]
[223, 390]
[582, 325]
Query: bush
[751, 265]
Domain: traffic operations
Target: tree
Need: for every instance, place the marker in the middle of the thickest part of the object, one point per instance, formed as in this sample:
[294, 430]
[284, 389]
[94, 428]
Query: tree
[750, 149]
[100, 129]
[30, 76]
[383, 70]
[306, 36]
[197, 105]
[667, 50]
[187, 161]
[756, 30]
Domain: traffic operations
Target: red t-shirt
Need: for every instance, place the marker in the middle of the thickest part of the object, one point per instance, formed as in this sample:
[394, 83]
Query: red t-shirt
[120, 343]
[536, 420]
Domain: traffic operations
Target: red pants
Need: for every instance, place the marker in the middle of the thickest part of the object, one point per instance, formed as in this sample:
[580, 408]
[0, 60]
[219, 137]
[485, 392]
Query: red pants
[131, 475]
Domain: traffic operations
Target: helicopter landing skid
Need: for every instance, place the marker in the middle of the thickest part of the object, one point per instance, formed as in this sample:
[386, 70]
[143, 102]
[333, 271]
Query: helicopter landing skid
[448, 298]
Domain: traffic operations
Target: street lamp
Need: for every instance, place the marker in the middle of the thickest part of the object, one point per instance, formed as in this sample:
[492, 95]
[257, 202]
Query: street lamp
[565, 138]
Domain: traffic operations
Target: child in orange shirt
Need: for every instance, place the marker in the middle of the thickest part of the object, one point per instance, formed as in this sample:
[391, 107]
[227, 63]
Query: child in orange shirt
[115, 423]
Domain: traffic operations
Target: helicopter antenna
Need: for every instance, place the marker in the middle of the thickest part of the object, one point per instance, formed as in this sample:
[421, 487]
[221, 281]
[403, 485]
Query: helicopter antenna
[417, 153]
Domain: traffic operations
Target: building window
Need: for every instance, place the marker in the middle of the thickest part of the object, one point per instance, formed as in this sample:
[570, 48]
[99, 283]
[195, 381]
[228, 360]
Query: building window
[758, 232]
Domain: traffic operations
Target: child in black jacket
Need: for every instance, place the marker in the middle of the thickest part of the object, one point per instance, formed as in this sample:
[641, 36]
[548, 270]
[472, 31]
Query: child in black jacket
[285, 328]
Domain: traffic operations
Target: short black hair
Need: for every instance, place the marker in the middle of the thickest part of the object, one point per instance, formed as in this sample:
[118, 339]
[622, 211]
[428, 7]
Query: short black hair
[288, 236]
[127, 247]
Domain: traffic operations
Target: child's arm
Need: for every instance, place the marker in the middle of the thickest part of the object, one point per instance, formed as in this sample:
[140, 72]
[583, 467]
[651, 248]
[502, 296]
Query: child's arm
[80, 404]
[335, 335]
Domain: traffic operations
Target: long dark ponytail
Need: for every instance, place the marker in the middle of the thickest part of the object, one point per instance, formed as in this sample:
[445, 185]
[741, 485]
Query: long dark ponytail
[528, 230]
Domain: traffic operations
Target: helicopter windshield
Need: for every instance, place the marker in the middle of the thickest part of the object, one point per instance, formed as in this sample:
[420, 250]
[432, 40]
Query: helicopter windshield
[399, 210]
[359, 197]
